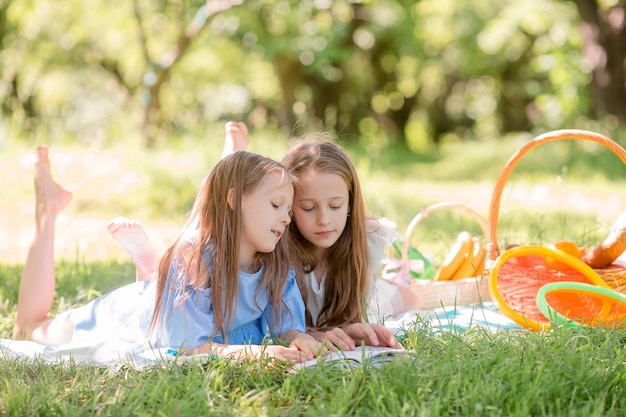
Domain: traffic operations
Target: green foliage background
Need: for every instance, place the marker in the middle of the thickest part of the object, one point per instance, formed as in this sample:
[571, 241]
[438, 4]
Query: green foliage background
[383, 72]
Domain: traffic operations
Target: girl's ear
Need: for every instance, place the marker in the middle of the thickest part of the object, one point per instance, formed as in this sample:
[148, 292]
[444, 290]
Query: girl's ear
[230, 198]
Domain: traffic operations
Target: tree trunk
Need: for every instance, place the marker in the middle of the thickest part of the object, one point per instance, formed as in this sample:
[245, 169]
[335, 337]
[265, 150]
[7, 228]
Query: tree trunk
[161, 70]
[604, 47]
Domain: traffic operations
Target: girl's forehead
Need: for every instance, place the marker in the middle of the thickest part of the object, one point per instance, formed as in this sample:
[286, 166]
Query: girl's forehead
[275, 180]
[316, 182]
[314, 175]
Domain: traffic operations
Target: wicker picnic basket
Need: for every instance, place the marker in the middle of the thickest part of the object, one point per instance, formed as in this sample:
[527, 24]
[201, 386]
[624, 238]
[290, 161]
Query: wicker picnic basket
[517, 277]
[433, 294]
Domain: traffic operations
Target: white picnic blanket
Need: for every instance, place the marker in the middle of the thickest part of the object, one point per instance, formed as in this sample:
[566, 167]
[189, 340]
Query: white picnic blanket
[113, 355]
[454, 318]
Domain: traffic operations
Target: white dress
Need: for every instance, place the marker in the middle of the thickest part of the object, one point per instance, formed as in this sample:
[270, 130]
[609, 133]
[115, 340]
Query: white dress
[314, 295]
[383, 299]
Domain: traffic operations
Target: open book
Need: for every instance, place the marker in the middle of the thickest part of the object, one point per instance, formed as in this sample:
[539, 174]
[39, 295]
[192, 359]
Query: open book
[372, 355]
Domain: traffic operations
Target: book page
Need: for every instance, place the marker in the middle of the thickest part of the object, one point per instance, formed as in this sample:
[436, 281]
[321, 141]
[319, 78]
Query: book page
[350, 359]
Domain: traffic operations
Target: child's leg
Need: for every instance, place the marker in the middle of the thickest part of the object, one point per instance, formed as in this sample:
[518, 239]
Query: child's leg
[236, 138]
[132, 236]
[37, 286]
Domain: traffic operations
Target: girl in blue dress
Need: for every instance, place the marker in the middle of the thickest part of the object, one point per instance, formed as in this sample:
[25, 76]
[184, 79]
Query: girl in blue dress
[224, 287]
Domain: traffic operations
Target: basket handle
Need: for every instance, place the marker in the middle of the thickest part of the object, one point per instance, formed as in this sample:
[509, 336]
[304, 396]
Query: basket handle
[494, 209]
[424, 213]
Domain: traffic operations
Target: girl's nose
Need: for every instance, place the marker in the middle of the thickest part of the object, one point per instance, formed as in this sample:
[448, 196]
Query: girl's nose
[323, 218]
[286, 219]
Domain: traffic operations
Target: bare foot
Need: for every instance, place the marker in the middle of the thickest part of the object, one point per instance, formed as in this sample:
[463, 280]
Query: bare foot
[50, 196]
[136, 242]
[236, 138]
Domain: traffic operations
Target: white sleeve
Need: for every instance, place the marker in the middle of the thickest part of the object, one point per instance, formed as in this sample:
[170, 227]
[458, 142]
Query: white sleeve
[381, 233]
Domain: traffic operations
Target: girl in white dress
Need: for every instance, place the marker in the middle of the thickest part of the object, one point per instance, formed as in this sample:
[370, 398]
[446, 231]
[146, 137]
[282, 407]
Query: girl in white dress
[337, 247]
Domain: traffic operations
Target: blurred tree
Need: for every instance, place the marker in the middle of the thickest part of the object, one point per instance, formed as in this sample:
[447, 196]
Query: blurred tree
[307, 43]
[603, 27]
[14, 102]
[416, 72]
[380, 72]
[327, 57]
[88, 70]
[159, 69]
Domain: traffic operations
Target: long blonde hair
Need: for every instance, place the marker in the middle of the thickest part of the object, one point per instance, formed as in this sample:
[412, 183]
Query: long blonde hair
[348, 259]
[213, 223]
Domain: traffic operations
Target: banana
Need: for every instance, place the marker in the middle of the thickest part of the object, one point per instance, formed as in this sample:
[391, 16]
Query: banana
[455, 258]
[473, 263]
[480, 255]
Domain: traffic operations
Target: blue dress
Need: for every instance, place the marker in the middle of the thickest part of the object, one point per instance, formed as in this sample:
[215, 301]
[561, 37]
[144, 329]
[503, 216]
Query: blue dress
[188, 318]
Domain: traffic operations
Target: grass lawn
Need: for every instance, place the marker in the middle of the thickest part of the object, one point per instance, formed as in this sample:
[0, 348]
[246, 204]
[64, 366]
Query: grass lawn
[569, 192]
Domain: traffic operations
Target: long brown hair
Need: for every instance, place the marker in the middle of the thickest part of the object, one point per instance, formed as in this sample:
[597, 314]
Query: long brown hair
[213, 223]
[348, 259]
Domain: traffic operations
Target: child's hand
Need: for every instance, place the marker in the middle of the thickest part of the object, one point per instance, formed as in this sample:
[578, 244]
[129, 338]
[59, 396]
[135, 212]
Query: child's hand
[308, 345]
[283, 354]
[372, 334]
[335, 339]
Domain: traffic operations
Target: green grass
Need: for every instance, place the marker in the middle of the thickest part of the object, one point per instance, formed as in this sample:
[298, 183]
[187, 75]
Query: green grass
[560, 372]
[473, 373]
